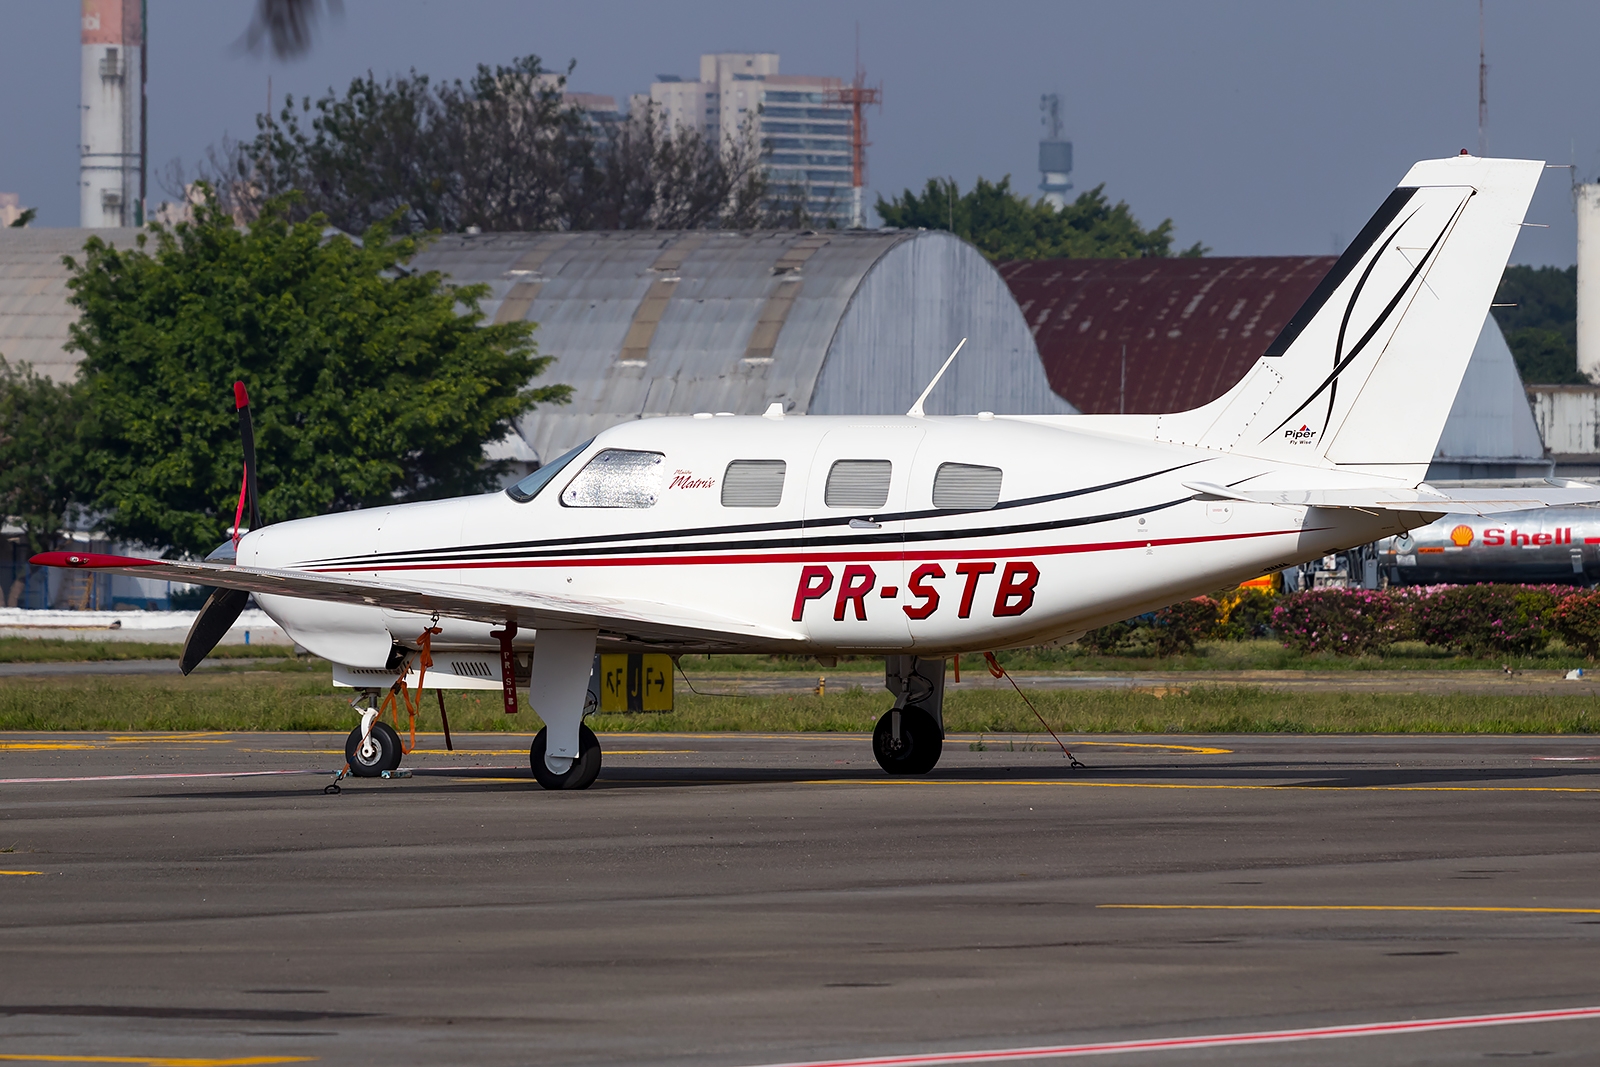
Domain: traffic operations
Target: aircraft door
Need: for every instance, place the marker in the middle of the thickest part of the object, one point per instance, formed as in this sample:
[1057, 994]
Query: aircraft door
[851, 585]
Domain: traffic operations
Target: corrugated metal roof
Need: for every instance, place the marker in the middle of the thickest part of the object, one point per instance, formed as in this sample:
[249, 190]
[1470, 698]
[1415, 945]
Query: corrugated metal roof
[646, 323]
[34, 313]
[1191, 327]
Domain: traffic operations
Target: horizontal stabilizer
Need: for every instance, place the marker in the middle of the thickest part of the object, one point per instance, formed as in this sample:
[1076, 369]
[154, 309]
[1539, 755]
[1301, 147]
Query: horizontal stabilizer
[1423, 499]
[632, 618]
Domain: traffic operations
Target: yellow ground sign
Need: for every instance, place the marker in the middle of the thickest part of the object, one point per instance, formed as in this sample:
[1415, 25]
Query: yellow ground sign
[636, 681]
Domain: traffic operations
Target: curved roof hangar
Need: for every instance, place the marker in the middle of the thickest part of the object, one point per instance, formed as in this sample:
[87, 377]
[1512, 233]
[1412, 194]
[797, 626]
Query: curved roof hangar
[645, 323]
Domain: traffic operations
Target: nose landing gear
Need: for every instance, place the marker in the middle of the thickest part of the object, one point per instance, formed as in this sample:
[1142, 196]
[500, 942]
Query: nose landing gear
[378, 752]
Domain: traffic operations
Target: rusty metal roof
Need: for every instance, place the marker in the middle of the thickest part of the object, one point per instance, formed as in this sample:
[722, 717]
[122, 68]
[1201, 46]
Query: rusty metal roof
[1191, 327]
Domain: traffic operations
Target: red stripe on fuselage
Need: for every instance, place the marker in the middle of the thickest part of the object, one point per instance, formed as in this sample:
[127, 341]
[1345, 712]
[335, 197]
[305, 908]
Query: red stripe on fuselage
[841, 555]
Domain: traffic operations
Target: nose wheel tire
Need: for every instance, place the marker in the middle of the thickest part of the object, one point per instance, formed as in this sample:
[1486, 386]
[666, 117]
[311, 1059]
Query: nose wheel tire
[584, 770]
[383, 754]
[916, 750]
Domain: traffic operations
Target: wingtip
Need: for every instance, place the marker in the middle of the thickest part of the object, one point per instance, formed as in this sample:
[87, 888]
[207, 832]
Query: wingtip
[88, 559]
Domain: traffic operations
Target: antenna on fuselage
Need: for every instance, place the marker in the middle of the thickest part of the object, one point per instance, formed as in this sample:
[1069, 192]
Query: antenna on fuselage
[916, 409]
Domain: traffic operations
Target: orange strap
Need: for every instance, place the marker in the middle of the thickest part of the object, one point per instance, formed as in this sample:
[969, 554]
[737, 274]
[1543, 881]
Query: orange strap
[400, 692]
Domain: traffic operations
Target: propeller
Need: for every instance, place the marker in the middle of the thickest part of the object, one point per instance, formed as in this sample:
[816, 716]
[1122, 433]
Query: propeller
[223, 606]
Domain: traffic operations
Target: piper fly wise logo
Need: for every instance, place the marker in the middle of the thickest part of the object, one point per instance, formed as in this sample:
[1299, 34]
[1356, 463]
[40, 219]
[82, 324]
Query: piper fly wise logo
[1303, 436]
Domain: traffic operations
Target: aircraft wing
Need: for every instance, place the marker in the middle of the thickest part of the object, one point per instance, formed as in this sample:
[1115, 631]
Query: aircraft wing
[639, 619]
[1424, 499]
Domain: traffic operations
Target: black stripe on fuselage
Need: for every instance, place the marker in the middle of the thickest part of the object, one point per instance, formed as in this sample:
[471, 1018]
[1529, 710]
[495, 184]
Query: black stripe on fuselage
[510, 549]
[849, 541]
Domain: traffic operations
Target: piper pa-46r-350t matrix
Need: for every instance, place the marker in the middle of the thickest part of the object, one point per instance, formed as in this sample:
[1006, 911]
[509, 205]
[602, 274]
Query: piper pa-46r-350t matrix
[906, 536]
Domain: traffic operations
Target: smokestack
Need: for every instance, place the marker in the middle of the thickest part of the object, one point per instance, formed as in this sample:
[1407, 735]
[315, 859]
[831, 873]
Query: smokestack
[1586, 200]
[111, 160]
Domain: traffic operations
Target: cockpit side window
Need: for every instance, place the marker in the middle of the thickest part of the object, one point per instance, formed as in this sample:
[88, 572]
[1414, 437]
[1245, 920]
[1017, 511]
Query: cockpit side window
[529, 487]
[753, 483]
[616, 478]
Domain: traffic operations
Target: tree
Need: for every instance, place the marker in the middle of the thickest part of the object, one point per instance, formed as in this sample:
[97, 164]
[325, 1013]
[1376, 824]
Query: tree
[647, 174]
[38, 419]
[370, 384]
[503, 150]
[1007, 225]
[1538, 310]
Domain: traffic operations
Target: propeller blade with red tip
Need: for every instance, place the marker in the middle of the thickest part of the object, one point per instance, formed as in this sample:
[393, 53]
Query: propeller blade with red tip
[224, 606]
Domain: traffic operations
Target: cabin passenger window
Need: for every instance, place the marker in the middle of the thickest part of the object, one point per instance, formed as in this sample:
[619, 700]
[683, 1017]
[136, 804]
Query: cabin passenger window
[858, 483]
[753, 483]
[616, 478]
[530, 486]
[966, 486]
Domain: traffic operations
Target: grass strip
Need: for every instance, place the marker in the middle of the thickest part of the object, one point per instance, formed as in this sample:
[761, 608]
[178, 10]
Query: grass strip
[67, 650]
[1254, 654]
[1260, 654]
[305, 700]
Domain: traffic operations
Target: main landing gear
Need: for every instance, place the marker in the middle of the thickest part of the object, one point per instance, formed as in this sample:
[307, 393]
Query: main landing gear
[577, 773]
[910, 737]
[565, 754]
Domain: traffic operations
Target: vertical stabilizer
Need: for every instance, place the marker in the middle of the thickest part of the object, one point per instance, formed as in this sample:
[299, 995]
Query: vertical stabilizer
[1364, 374]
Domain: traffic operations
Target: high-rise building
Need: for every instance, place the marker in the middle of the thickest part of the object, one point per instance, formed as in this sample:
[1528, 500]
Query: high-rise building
[111, 153]
[10, 208]
[796, 117]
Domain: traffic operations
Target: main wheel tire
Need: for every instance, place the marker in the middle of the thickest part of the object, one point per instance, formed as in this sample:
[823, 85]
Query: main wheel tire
[387, 755]
[584, 770]
[918, 748]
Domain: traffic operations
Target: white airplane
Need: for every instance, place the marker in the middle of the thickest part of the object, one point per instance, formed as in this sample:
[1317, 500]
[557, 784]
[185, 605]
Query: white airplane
[907, 536]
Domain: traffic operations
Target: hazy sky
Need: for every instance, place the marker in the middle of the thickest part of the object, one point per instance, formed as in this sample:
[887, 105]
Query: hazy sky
[1258, 128]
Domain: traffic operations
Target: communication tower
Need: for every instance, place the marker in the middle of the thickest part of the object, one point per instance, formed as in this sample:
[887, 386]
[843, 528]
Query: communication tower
[1055, 154]
[856, 96]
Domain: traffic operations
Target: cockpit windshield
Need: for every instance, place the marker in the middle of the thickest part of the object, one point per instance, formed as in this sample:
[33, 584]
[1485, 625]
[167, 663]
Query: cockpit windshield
[530, 486]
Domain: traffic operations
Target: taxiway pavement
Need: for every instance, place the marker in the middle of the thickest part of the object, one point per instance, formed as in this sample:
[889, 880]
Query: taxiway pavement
[743, 899]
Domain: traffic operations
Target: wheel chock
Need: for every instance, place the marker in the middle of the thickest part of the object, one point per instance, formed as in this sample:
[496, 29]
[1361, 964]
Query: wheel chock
[400, 772]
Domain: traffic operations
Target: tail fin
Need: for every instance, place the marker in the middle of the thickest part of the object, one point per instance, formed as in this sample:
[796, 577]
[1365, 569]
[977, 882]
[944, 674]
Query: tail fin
[1364, 375]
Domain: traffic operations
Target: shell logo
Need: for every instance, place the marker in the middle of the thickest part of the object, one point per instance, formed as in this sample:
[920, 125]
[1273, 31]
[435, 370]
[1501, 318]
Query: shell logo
[1461, 536]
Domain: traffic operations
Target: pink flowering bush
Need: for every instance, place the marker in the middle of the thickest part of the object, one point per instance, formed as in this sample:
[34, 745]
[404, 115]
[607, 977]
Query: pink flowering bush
[1488, 619]
[1577, 620]
[1350, 622]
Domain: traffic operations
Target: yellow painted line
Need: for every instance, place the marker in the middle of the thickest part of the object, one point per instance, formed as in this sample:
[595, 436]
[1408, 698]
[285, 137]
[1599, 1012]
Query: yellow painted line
[1247, 788]
[152, 1061]
[19, 873]
[45, 746]
[475, 751]
[1346, 907]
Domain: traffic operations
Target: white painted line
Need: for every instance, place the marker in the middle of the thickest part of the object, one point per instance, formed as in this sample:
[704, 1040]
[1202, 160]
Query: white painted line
[148, 777]
[1169, 1044]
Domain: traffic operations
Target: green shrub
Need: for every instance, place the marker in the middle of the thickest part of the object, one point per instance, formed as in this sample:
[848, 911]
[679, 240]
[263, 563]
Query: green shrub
[1244, 613]
[1178, 626]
